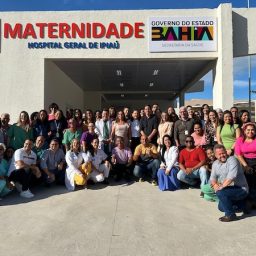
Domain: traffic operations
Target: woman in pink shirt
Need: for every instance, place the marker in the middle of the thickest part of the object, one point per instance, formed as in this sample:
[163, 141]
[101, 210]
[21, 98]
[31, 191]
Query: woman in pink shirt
[199, 135]
[245, 150]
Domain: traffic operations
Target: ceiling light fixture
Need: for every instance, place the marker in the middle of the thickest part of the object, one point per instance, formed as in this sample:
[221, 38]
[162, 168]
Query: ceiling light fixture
[118, 72]
[121, 84]
[146, 95]
[122, 95]
[151, 84]
[155, 72]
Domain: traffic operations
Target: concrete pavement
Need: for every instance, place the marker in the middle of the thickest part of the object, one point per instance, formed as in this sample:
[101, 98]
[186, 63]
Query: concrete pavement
[120, 220]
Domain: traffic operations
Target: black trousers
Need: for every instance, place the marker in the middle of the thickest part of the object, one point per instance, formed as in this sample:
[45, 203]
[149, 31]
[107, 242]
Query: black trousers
[121, 170]
[251, 177]
[22, 177]
[135, 141]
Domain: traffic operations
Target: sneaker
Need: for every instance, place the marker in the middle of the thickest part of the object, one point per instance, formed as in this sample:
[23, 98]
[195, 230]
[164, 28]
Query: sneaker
[26, 194]
[18, 186]
[141, 180]
[154, 182]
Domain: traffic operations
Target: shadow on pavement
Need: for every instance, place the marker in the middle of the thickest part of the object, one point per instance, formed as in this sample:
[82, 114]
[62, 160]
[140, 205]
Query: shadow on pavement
[40, 193]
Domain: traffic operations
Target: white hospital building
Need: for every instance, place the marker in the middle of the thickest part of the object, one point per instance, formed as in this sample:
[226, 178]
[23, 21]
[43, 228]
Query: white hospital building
[92, 59]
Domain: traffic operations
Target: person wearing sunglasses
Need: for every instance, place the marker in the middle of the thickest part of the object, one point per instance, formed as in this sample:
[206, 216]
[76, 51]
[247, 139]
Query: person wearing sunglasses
[191, 162]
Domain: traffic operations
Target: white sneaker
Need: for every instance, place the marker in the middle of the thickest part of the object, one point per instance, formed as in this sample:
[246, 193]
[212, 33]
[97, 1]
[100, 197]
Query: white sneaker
[26, 194]
[18, 186]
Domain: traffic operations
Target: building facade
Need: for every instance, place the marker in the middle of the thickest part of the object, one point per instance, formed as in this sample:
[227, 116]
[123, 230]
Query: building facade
[89, 59]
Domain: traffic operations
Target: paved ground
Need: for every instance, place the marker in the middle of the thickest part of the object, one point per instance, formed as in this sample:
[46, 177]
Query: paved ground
[120, 220]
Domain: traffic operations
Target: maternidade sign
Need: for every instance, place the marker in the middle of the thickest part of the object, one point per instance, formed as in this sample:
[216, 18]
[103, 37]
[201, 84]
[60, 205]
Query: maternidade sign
[182, 34]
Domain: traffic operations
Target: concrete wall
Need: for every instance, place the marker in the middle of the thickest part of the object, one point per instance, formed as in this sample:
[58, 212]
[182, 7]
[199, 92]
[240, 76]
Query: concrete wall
[22, 70]
[59, 88]
[244, 32]
[223, 72]
[20, 88]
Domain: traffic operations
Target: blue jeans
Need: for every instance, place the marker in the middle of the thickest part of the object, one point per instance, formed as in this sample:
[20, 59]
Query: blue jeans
[142, 169]
[191, 178]
[230, 197]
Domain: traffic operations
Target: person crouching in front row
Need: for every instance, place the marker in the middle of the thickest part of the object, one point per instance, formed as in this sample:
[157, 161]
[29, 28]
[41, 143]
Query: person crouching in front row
[78, 166]
[229, 183]
[22, 169]
[100, 165]
[146, 159]
[191, 162]
[53, 164]
[121, 160]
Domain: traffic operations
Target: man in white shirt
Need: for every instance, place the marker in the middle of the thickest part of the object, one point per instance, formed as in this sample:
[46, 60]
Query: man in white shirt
[22, 167]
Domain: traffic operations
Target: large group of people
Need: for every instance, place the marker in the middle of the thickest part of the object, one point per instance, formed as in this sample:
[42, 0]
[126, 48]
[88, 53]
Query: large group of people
[213, 150]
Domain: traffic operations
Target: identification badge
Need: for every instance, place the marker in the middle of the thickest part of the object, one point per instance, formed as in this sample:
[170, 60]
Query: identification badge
[186, 132]
[57, 135]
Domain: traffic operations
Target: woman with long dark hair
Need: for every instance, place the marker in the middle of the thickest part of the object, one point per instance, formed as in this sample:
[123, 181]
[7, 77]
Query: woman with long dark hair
[41, 127]
[121, 128]
[167, 174]
[100, 165]
[211, 128]
[79, 118]
[205, 109]
[165, 127]
[244, 117]
[71, 133]
[245, 150]
[53, 108]
[20, 131]
[57, 126]
[228, 132]
[198, 134]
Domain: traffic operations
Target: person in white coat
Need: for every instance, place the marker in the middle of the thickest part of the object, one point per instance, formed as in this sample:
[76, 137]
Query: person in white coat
[103, 128]
[100, 165]
[78, 166]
